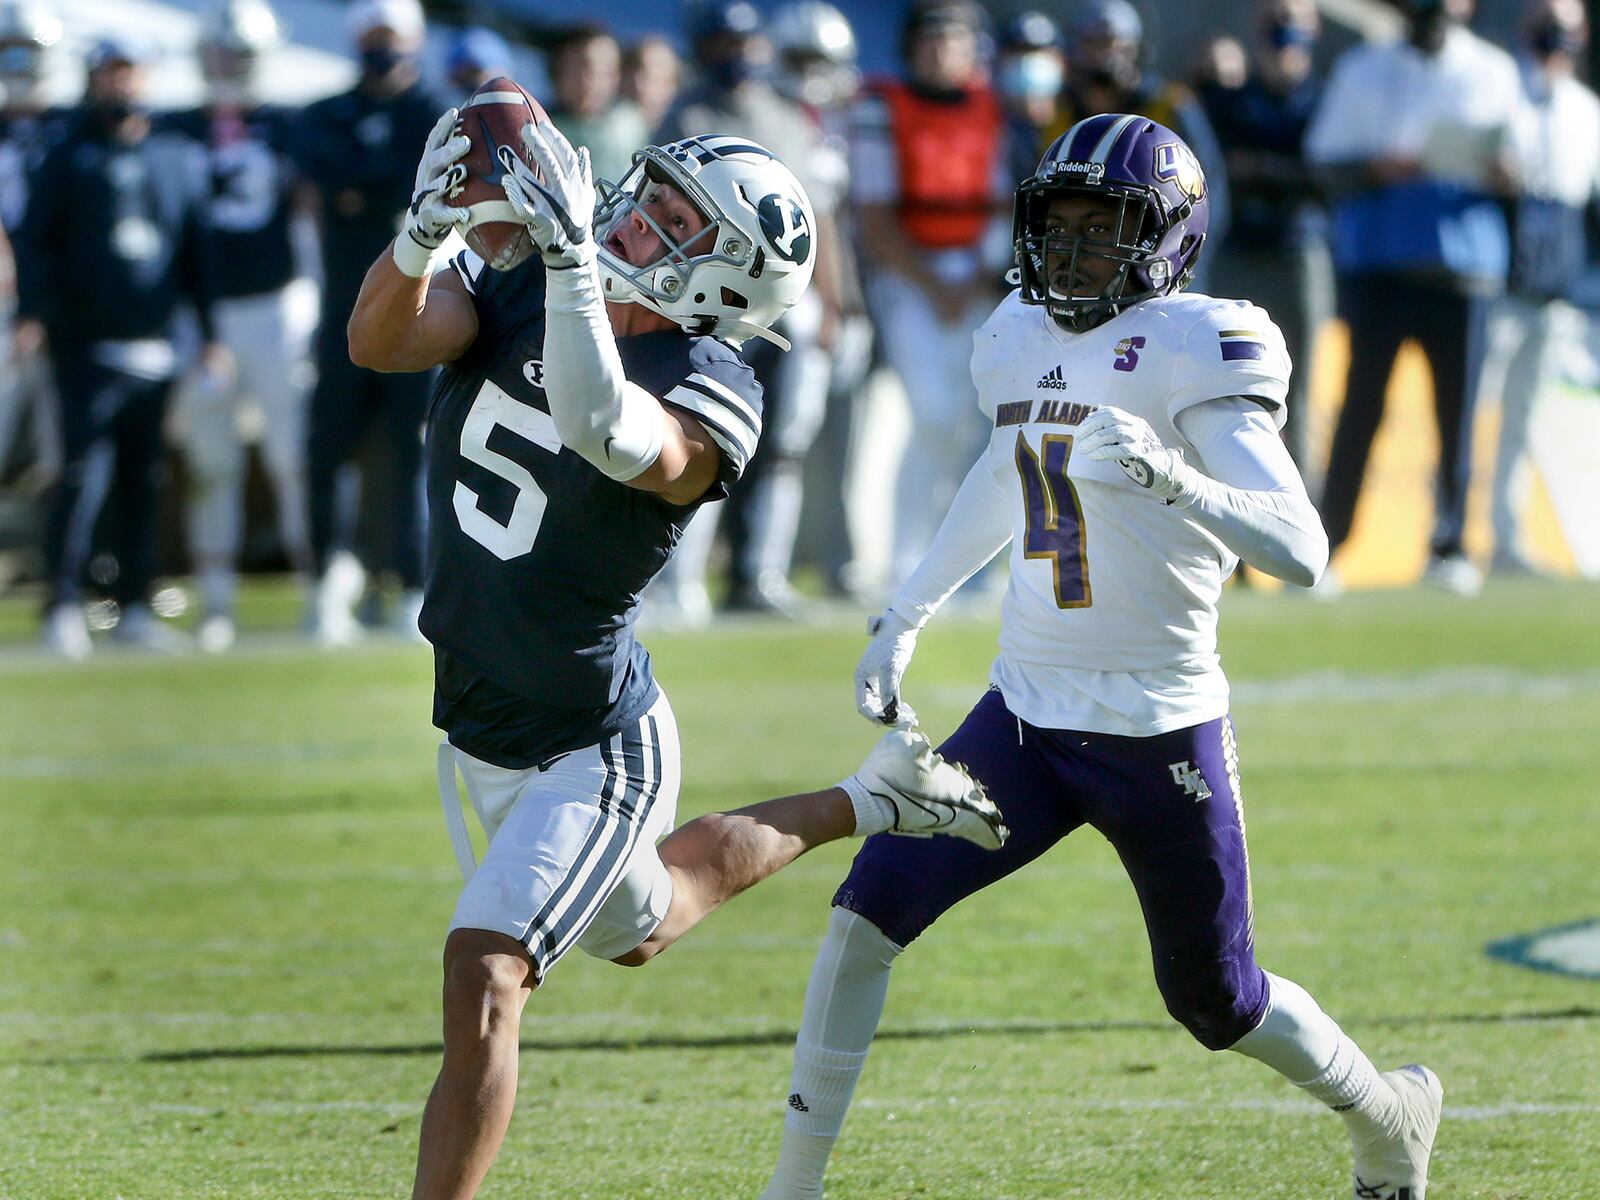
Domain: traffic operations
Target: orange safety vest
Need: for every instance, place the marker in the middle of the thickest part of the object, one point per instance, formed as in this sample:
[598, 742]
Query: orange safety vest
[948, 155]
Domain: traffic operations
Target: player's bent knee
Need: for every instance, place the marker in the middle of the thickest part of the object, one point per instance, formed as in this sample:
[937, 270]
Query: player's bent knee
[485, 974]
[1218, 1006]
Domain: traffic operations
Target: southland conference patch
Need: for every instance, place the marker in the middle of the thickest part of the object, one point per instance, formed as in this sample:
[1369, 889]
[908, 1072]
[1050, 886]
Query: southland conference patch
[1572, 950]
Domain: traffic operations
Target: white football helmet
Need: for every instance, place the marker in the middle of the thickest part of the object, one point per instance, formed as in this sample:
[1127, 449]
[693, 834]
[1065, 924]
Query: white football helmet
[816, 51]
[746, 268]
[29, 33]
[236, 36]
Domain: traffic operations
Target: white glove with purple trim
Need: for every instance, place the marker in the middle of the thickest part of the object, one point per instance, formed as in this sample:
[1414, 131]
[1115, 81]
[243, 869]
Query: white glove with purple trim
[1112, 433]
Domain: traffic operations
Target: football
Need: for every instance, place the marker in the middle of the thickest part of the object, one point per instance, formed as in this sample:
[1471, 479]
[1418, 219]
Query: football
[492, 117]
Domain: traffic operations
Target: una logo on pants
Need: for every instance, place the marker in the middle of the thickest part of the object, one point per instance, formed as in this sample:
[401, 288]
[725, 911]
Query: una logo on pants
[1187, 776]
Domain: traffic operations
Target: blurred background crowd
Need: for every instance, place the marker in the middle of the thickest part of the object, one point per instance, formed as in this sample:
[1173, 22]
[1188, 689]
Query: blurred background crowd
[190, 195]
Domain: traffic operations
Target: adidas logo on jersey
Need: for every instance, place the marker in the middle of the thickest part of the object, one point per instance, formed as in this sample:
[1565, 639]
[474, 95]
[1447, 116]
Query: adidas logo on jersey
[1052, 379]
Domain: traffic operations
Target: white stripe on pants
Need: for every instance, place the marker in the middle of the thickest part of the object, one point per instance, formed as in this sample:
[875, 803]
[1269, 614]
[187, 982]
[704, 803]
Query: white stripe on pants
[572, 857]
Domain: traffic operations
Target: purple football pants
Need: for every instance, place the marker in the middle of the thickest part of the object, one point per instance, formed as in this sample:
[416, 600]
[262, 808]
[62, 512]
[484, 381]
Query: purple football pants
[1169, 806]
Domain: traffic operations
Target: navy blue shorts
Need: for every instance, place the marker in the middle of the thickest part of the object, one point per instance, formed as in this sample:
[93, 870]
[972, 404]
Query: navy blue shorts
[1168, 804]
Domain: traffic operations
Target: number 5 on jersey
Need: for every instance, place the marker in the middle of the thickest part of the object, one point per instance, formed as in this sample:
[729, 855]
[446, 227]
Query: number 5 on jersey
[495, 408]
[1054, 517]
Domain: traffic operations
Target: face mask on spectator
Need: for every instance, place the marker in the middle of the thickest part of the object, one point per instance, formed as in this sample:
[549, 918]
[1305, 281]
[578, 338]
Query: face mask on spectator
[1285, 35]
[378, 61]
[1030, 76]
[116, 111]
[1551, 37]
[729, 73]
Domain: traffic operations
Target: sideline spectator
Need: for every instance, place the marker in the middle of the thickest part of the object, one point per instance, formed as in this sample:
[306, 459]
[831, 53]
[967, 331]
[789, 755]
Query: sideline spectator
[1105, 73]
[476, 55]
[585, 74]
[113, 241]
[1411, 139]
[1221, 65]
[1029, 71]
[816, 54]
[1557, 147]
[650, 76]
[1276, 253]
[265, 313]
[930, 181]
[734, 61]
[359, 150]
[29, 36]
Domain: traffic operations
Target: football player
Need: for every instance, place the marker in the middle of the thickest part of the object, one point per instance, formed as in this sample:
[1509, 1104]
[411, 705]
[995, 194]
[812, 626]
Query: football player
[266, 312]
[590, 400]
[1134, 461]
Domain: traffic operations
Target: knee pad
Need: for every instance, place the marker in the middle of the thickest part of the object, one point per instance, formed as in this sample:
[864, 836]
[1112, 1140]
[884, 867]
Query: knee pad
[1218, 1001]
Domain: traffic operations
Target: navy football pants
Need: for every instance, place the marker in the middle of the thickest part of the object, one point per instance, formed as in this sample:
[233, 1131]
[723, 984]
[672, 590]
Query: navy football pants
[112, 461]
[1167, 804]
[347, 403]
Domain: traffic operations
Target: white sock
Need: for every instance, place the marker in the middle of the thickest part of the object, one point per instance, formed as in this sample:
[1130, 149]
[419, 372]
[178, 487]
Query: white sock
[874, 814]
[844, 1002]
[1307, 1047]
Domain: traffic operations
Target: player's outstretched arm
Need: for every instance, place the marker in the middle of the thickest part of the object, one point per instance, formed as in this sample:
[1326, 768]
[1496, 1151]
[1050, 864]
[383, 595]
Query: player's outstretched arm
[975, 529]
[1253, 500]
[406, 318]
[611, 422]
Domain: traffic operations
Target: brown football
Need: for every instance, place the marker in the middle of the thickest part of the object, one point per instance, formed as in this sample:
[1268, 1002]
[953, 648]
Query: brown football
[492, 117]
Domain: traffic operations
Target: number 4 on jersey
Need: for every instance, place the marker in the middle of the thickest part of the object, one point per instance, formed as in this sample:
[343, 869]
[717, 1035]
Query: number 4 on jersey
[1054, 517]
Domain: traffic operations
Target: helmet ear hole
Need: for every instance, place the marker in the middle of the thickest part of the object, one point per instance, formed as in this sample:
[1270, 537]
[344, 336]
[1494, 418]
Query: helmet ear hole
[733, 299]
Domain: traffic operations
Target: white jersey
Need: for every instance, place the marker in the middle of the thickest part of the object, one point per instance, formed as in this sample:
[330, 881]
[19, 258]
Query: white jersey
[1110, 621]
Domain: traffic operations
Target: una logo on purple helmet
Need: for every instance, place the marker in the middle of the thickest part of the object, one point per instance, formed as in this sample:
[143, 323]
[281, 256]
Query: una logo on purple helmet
[1177, 163]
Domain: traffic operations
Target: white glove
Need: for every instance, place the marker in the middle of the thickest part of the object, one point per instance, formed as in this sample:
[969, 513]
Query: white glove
[559, 209]
[883, 664]
[430, 219]
[1111, 433]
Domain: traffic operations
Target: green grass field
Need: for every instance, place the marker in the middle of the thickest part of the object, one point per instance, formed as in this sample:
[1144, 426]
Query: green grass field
[224, 884]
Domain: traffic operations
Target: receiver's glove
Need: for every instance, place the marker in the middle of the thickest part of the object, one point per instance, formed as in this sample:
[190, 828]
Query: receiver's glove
[558, 209]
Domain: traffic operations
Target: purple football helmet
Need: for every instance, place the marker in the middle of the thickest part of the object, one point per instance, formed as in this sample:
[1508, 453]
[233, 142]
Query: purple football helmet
[1152, 176]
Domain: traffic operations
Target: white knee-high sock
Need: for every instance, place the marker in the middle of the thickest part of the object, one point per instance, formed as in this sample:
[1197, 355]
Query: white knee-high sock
[1306, 1046]
[844, 1002]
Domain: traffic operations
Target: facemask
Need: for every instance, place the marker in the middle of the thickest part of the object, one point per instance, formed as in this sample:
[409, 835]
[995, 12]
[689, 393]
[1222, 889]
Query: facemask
[1030, 77]
[1552, 37]
[232, 93]
[1429, 24]
[729, 73]
[379, 61]
[1285, 36]
[114, 112]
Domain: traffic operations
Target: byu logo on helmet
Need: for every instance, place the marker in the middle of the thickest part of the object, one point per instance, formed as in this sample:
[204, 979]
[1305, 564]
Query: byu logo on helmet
[784, 224]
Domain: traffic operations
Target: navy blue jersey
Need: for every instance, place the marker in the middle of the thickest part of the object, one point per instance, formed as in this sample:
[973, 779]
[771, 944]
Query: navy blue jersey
[252, 192]
[536, 560]
[24, 139]
[361, 151]
[115, 236]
